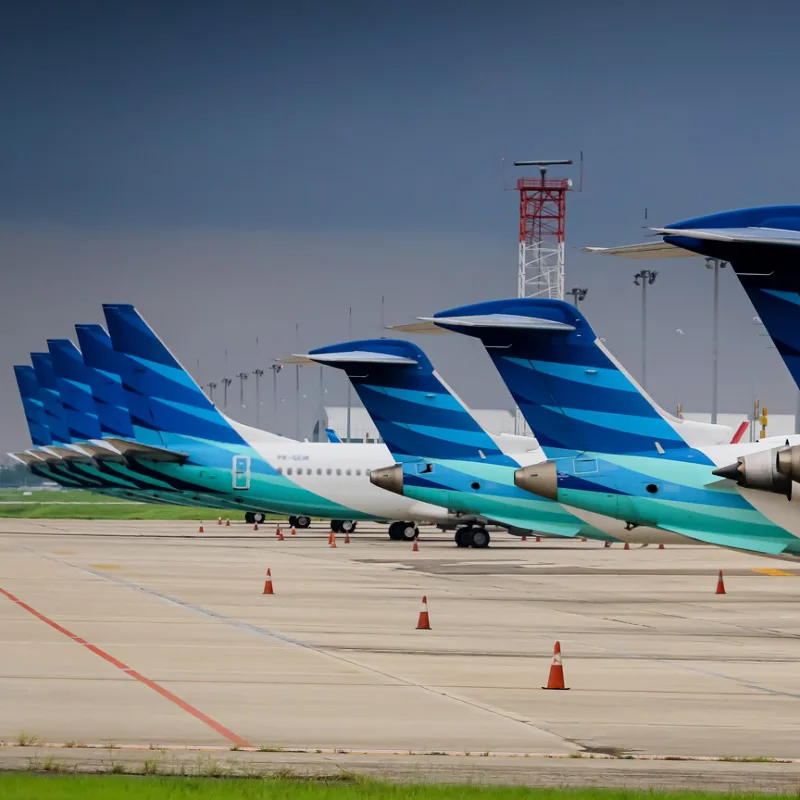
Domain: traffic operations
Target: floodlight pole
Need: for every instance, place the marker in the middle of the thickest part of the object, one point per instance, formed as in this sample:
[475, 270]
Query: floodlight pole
[644, 278]
[226, 382]
[577, 295]
[715, 264]
[258, 373]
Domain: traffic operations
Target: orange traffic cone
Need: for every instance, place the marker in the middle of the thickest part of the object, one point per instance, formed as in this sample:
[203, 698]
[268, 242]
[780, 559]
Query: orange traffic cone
[201, 528]
[524, 538]
[415, 548]
[720, 584]
[584, 539]
[347, 538]
[255, 526]
[607, 544]
[268, 584]
[277, 531]
[538, 538]
[627, 546]
[219, 520]
[281, 537]
[228, 522]
[424, 622]
[294, 532]
[555, 680]
[661, 546]
[332, 539]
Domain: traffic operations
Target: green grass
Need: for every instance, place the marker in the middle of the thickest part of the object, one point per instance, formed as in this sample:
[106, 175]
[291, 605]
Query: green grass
[15, 786]
[53, 496]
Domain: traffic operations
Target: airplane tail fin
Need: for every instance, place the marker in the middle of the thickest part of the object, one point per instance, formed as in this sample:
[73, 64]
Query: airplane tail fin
[572, 392]
[33, 406]
[106, 385]
[416, 413]
[166, 405]
[74, 389]
[762, 246]
[333, 437]
[51, 399]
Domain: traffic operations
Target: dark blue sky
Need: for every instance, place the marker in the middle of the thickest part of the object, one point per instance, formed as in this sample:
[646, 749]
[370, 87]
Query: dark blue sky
[233, 168]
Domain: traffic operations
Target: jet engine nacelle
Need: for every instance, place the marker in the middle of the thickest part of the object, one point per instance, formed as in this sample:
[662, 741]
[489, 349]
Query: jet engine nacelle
[767, 470]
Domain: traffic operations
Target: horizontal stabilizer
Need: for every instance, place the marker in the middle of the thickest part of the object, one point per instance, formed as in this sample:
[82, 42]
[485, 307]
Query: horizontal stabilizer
[504, 321]
[424, 325]
[25, 458]
[101, 451]
[147, 452]
[361, 357]
[650, 250]
[741, 235]
[68, 454]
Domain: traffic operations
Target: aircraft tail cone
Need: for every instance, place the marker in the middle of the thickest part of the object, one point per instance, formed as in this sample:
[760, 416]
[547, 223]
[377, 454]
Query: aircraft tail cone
[732, 472]
[555, 680]
[424, 622]
[268, 584]
[720, 584]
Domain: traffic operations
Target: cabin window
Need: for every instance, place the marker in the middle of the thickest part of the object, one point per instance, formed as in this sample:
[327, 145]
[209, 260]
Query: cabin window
[319, 471]
[338, 472]
[329, 471]
[348, 472]
[358, 472]
[289, 471]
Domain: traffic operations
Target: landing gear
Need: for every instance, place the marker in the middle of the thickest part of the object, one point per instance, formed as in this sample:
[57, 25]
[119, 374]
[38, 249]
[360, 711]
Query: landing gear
[299, 522]
[248, 517]
[403, 531]
[472, 536]
[343, 525]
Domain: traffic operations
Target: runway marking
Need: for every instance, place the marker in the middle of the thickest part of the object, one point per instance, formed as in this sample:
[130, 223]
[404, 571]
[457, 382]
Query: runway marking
[766, 571]
[165, 693]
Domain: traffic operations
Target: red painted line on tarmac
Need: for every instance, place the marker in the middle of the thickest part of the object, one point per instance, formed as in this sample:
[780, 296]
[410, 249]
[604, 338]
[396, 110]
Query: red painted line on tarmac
[165, 693]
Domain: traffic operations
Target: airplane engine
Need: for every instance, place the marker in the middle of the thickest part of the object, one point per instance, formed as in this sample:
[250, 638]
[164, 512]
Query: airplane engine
[768, 470]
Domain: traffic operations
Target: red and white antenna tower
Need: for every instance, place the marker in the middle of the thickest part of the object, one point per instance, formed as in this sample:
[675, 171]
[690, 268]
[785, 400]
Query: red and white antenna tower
[542, 220]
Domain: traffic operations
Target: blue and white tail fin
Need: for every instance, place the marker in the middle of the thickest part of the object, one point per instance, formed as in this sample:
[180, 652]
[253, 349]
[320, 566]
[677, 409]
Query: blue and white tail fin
[762, 246]
[51, 399]
[416, 413]
[106, 385]
[32, 404]
[72, 381]
[166, 405]
[333, 437]
[574, 395]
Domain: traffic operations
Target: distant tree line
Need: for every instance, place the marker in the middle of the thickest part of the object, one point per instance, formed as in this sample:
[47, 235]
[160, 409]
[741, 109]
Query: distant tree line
[16, 474]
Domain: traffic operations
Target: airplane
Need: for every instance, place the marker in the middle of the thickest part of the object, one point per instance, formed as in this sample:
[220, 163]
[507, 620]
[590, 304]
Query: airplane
[444, 456]
[760, 243]
[180, 437]
[611, 450]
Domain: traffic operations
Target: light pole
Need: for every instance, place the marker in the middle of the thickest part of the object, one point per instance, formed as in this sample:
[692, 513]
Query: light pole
[226, 382]
[276, 368]
[258, 373]
[645, 278]
[349, 385]
[577, 295]
[211, 386]
[242, 376]
[716, 265]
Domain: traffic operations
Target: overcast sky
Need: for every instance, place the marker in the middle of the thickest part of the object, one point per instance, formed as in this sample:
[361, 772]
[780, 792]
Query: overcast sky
[235, 169]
